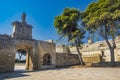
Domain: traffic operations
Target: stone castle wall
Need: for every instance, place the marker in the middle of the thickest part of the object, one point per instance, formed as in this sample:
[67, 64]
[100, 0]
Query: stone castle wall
[64, 56]
[45, 48]
[63, 59]
[6, 56]
[21, 38]
[22, 31]
[98, 48]
[93, 52]
[35, 50]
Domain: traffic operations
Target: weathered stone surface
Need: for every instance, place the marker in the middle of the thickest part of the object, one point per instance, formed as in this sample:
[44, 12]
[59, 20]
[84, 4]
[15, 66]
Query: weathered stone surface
[35, 51]
[22, 30]
[22, 39]
[98, 48]
[61, 55]
[63, 59]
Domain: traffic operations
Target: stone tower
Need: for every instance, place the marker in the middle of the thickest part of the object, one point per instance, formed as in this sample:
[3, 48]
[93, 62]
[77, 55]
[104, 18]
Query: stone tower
[90, 41]
[22, 30]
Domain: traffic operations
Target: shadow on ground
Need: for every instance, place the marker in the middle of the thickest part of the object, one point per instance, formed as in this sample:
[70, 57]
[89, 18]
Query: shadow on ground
[106, 64]
[15, 74]
[22, 73]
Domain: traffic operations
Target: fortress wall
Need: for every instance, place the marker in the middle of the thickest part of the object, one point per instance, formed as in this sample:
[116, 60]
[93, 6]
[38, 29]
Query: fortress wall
[63, 59]
[8, 48]
[35, 56]
[31, 48]
[7, 54]
[95, 58]
[46, 48]
[91, 56]
[117, 54]
[91, 53]
[4, 36]
[62, 49]
[107, 56]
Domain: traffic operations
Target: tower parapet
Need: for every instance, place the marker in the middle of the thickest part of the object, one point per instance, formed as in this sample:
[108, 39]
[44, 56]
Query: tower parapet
[22, 30]
[4, 36]
[90, 41]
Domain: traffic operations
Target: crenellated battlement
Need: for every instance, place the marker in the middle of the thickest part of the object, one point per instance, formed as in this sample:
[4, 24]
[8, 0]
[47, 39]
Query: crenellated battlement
[22, 30]
[5, 36]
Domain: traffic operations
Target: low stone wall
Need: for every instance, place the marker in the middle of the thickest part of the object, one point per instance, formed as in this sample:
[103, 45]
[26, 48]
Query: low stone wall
[91, 58]
[118, 58]
[63, 59]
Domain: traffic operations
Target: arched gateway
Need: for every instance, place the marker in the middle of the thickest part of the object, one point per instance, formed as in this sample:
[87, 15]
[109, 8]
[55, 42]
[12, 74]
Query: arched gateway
[28, 49]
[21, 38]
[47, 59]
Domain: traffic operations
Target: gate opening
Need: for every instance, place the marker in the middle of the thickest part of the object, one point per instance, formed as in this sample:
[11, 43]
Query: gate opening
[20, 59]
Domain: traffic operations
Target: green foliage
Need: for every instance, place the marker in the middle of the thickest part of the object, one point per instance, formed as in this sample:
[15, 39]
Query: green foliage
[67, 25]
[103, 17]
[103, 14]
[21, 53]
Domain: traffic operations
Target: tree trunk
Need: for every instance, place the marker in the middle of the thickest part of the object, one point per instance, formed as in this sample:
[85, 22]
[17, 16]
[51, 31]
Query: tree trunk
[112, 57]
[112, 52]
[79, 54]
[111, 48]
[20, 56]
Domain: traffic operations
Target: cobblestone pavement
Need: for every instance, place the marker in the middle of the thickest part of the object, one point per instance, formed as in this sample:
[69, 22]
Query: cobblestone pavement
[65, 74]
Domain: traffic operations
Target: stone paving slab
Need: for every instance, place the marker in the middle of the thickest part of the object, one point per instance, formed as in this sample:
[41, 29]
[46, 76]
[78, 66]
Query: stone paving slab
[65, 74]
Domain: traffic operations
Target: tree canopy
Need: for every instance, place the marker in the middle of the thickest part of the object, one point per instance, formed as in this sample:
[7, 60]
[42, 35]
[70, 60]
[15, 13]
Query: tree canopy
[67, 24]
[101, 14]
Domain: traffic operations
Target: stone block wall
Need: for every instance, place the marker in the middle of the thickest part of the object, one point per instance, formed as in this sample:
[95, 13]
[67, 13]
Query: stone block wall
[118, 58]
[63, 59]
[6, 60]
[43, 49]
[6, 54]
[62, 49]
[92, 59]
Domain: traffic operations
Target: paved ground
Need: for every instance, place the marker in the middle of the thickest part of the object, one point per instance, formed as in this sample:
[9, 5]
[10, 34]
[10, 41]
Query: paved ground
[19, 67]
[64, 74]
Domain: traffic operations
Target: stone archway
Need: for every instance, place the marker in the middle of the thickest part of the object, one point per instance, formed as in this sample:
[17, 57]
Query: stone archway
[28, 48]
[20, 56]
[47, 60]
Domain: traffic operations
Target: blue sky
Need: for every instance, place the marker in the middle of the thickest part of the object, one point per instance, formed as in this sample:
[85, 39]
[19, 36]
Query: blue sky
[40, 14]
